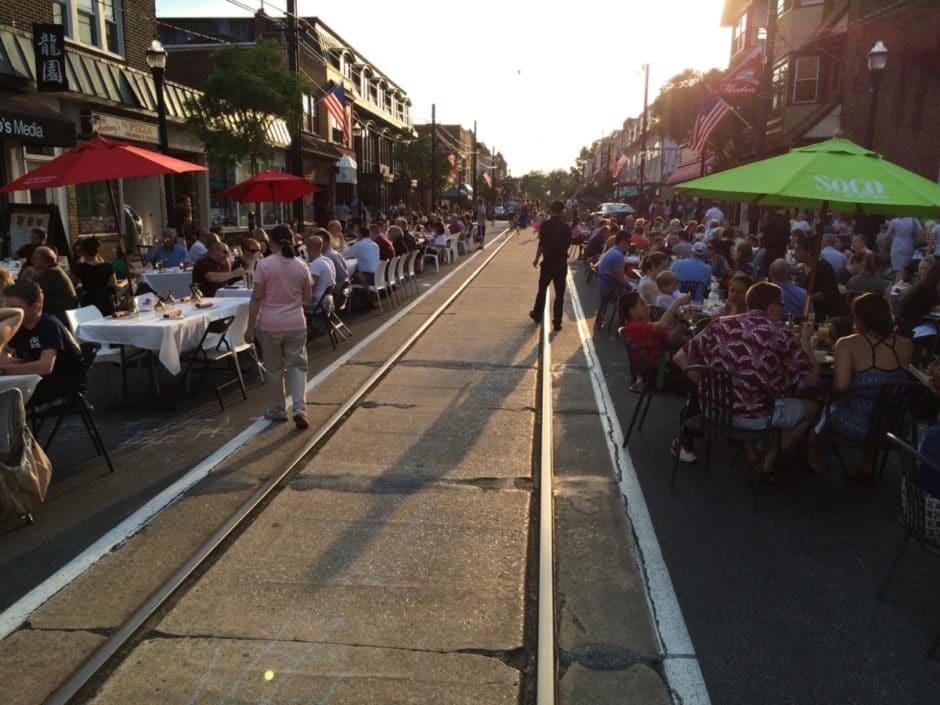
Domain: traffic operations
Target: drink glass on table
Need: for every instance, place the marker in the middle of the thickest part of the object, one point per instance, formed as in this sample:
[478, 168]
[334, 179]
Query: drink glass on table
[823, 332]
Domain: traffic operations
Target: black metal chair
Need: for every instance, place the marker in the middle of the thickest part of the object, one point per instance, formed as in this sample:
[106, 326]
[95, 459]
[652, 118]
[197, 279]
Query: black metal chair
[646, 381]
[209, 354]
[890, 406]
[322, 319]
[73, 403]
[615, 291]
[695, 289]
[920, 514]
[715, 423]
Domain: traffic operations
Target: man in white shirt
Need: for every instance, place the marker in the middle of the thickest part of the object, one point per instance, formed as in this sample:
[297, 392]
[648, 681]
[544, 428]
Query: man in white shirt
[366, 253]
[714, 213]
[200, 246]
[481, 221]
[322, 273]
[835, 258]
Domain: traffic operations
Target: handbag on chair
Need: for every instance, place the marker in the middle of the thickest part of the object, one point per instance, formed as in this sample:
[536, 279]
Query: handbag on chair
[25, 469]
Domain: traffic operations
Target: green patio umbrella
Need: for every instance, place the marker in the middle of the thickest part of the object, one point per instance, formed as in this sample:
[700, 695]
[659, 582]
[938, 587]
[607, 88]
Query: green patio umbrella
[833, 175]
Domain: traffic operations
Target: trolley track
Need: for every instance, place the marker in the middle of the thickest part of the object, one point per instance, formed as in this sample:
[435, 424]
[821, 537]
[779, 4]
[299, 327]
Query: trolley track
[540, 632]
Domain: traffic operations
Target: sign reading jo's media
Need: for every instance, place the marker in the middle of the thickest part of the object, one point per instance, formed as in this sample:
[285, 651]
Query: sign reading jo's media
[49, 50]
[18, 127]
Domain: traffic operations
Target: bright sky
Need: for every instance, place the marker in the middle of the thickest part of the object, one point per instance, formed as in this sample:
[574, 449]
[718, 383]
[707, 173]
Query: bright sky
[535, 77]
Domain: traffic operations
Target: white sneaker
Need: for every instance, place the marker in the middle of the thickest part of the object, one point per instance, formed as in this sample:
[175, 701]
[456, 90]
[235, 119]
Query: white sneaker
[685, 456]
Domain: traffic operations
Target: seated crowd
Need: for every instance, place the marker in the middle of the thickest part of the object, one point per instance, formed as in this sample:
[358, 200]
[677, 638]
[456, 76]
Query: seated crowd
[789, 303]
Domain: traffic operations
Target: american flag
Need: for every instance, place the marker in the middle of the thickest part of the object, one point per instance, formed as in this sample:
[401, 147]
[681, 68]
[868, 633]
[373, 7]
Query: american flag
[488, 179]
[712, 112]
[452, 158]
[621, 163]
[335, 103]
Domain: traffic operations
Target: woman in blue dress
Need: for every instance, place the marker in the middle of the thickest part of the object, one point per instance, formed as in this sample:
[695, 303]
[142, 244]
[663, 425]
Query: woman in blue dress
[873, 356]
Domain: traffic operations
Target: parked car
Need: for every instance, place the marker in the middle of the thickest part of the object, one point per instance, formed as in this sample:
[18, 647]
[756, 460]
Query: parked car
[616, 211]
[498, 213]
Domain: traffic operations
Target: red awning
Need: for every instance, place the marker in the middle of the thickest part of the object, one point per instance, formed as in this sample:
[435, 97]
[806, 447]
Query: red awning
[687, 172]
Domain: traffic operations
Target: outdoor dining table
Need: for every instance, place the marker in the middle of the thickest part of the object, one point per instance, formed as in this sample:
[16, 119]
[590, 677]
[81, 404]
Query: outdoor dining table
[177, 281]
[25, 383]
[235, 291]
[167, 336]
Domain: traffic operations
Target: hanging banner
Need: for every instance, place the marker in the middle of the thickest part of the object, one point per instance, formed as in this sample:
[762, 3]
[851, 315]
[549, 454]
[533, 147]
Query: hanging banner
[49, 50]
[744, 79]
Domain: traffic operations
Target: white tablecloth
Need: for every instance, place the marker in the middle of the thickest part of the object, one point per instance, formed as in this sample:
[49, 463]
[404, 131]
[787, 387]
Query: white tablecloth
[352, 265]
[235, 292]
[25, 383]
[175, 280]
[169, 336]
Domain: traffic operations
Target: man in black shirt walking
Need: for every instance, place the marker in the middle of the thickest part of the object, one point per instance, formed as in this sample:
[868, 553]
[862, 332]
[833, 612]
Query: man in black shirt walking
[554, 241]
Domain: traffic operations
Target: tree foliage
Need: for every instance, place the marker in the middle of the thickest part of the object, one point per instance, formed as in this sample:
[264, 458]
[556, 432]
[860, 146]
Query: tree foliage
[416, 158]
[247, 90]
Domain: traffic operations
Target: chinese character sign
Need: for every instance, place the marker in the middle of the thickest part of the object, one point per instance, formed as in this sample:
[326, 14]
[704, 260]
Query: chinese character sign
[49, 48]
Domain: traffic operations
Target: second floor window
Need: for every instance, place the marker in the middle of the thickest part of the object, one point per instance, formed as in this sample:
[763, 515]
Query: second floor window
[95, 23]
[739, 34]
[311, 118]
[806, 79]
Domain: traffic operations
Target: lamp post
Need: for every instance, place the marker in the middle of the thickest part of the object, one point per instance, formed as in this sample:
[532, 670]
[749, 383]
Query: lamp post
[156, 60]
[877, 60]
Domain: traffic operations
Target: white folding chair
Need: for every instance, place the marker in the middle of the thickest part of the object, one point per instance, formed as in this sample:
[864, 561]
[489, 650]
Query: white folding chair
[431, 252]
[452, 252]
[379, 286]
[400, 276]
[410, 270]
[391, 278]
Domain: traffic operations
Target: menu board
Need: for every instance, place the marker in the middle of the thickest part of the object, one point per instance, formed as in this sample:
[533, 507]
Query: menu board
[26, 216]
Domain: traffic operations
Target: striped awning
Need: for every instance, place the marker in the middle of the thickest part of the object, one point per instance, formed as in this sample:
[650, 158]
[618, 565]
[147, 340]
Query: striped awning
[91, 76]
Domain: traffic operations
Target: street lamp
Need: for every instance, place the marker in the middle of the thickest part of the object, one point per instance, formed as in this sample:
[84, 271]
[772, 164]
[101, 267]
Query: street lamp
[877, 60]
[156, 60]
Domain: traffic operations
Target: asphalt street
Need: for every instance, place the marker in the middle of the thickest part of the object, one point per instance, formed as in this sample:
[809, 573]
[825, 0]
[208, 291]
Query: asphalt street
[780, 599]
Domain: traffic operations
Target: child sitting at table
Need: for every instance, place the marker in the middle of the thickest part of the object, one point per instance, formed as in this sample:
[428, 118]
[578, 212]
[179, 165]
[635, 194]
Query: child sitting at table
[668, 284]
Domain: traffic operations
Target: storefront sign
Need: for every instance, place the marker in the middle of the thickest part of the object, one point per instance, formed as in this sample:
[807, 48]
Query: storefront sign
[126, 129]
[25, 120]
[49, 49]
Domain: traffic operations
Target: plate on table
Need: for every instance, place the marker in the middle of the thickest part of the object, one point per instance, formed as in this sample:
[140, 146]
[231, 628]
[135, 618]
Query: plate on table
[203, 304]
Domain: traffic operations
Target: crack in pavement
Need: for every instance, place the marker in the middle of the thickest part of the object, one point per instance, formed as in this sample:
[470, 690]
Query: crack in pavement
[518, 659]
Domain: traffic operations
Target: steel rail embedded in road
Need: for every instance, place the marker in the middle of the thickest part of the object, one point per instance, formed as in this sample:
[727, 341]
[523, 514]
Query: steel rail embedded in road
[546, 656]
[78, 680]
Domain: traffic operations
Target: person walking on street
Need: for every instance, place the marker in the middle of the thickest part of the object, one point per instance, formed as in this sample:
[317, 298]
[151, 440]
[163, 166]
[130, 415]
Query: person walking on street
[282, 290]
[481, 221]
[554, 241]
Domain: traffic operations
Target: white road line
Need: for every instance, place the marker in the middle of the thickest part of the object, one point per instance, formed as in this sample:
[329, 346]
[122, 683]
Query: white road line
[680, 664]
[19, 612]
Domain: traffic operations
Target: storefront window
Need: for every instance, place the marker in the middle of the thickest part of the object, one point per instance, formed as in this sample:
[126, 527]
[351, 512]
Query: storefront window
[228, 213]
[95, 211]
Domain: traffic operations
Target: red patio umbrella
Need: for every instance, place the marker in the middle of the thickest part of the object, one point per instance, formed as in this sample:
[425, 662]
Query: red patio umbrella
[100, 159]
[270, 187]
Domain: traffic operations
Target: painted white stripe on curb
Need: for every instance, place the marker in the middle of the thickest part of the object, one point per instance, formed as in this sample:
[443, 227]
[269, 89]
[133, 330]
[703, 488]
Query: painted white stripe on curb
[680, 664]
[19, 612]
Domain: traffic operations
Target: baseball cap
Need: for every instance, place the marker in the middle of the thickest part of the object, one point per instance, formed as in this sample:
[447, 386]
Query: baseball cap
[700, 248]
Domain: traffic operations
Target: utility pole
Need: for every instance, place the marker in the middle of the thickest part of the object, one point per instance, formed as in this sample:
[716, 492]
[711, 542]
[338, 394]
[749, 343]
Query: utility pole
[642, 184]
[296, 145]
[434, 188]
[473, 161]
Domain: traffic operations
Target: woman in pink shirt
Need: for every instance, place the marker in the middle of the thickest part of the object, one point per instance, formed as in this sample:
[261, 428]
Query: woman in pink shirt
[282, 290]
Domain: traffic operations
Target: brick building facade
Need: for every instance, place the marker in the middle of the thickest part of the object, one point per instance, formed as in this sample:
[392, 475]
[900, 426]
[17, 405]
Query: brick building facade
[111, 87]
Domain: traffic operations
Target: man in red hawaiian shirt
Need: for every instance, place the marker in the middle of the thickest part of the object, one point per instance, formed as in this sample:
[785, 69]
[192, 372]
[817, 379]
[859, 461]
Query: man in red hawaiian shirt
[756, 345]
